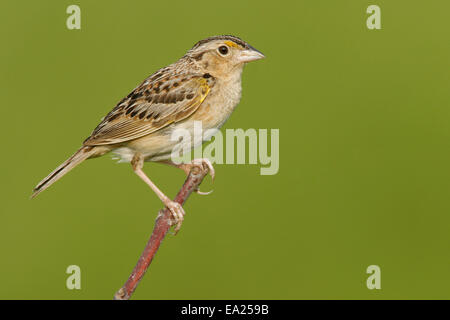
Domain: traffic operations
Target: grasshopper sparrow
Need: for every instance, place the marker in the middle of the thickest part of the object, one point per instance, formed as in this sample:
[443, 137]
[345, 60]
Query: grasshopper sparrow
[204, 85]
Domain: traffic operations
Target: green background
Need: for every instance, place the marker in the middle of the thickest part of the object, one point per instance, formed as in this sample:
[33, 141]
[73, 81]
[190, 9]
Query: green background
[364, 176]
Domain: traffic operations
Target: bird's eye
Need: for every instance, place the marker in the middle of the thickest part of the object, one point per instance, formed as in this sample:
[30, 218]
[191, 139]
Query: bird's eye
[223, 50]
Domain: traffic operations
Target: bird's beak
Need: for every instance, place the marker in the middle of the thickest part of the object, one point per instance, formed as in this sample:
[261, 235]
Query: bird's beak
[249, 55]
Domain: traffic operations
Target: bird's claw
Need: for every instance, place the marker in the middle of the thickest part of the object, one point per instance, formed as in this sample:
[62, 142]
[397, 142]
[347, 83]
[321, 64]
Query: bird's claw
[204, 164]
[178, 213]
[203, 193]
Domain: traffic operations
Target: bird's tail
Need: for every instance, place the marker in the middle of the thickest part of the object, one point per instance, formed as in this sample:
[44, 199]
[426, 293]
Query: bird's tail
[82, 154]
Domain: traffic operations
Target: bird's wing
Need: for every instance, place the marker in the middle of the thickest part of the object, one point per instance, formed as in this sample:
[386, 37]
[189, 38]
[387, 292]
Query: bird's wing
[152, 106]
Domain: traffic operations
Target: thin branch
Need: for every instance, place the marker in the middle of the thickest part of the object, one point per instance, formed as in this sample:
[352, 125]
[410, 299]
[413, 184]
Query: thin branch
[162, 226]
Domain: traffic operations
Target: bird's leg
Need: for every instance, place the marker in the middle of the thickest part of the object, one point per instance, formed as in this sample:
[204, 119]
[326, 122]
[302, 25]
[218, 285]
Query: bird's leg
[201, 163]
[175, 208]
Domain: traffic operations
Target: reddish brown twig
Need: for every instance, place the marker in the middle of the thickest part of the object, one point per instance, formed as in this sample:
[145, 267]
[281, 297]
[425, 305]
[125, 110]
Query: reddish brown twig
[162, 226]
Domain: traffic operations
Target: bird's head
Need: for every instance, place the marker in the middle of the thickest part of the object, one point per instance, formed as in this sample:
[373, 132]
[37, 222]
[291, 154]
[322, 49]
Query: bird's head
[222, 56]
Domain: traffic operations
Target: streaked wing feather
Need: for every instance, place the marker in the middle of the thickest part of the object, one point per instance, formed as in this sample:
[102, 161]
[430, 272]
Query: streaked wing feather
[150, 107]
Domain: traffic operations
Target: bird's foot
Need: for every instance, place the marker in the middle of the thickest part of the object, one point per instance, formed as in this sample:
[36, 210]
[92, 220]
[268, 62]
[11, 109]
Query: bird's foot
[177, 212]
[202, 164]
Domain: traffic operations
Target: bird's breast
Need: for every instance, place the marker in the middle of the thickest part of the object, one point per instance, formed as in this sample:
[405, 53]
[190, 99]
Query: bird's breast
[219, 104]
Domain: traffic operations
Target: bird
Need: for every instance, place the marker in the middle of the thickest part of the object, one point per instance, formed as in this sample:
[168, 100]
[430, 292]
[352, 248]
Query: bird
[203, 85]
